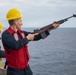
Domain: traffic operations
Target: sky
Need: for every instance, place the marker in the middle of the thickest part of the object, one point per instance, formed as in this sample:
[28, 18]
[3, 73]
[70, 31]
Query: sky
[39, 13]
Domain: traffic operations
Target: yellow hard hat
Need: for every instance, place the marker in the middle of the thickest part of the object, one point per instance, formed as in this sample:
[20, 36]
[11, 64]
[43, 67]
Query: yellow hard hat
[0, 26]
[0, 63]
[13, 14]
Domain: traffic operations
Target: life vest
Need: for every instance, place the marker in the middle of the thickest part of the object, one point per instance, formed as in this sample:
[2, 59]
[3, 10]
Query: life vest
[17, 58]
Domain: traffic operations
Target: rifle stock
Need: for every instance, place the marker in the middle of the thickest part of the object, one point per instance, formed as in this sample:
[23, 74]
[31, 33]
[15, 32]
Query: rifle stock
[41, 30]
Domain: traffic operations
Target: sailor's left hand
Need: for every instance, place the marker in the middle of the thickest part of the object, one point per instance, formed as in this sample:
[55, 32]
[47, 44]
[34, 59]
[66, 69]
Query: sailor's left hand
[56, 25]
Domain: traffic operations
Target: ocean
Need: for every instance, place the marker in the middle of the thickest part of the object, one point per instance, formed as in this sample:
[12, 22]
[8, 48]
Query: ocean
[54, 55]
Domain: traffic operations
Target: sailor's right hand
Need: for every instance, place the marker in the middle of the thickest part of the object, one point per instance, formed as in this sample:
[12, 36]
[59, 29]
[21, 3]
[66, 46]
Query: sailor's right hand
[30, 37]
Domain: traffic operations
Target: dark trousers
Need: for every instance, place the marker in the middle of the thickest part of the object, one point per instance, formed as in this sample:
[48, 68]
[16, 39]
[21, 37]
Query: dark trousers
[13, 71]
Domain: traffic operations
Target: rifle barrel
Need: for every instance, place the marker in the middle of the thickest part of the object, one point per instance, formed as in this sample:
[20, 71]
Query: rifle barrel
[74, 15]
[51, 25]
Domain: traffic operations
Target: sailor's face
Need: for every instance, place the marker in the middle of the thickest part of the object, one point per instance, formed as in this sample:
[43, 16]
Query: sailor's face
[18, 23]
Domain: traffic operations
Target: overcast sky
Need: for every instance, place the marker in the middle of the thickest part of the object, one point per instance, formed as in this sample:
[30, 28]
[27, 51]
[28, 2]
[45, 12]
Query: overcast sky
[38, 13]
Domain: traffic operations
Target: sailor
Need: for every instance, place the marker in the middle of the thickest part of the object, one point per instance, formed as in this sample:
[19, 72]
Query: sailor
[15, 43]
[2, 55]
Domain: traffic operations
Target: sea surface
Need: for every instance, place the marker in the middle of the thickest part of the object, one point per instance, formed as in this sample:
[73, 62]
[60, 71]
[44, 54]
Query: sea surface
[54, 55]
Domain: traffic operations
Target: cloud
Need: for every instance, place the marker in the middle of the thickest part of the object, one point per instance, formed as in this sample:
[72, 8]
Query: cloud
[39, 12]
[39, 3]
[4, 2]
[11, 2]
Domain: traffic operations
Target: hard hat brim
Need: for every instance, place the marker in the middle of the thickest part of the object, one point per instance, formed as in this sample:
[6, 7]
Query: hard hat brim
[13, 18]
